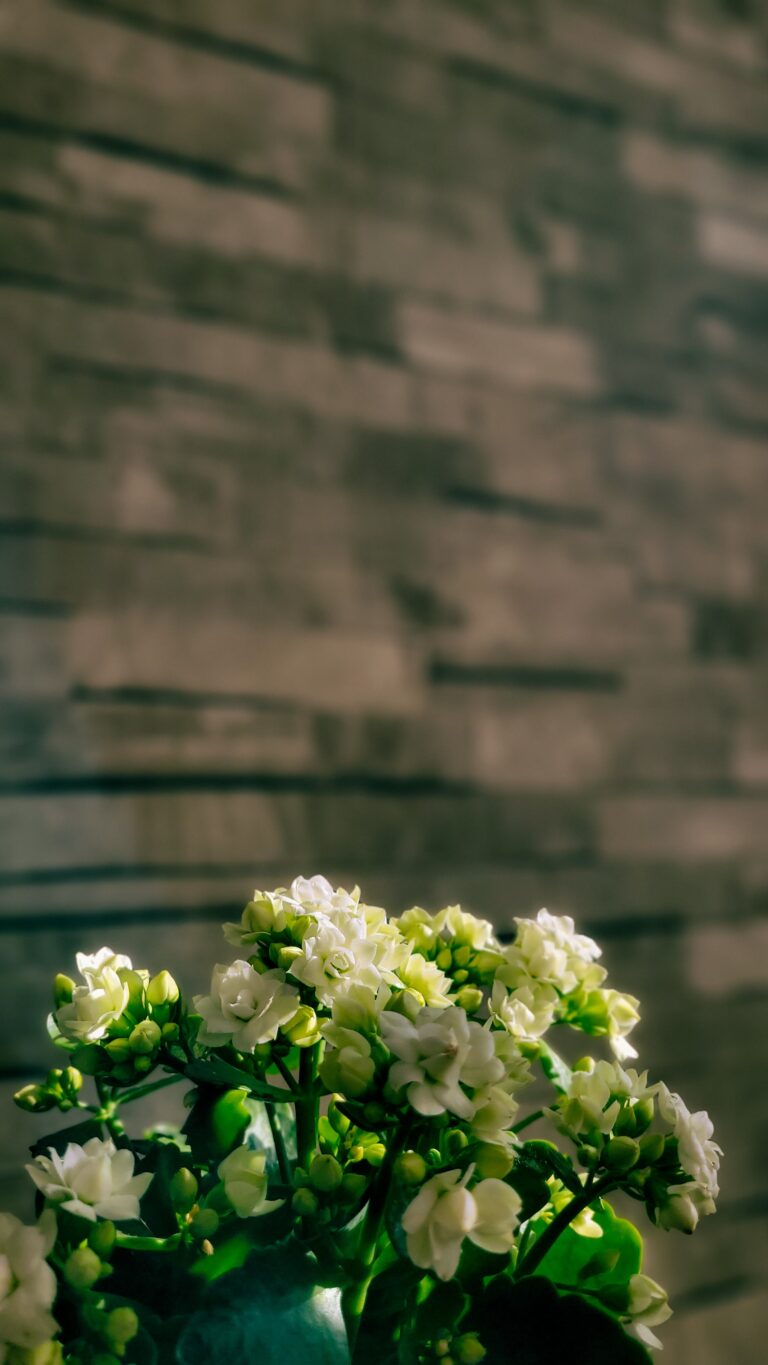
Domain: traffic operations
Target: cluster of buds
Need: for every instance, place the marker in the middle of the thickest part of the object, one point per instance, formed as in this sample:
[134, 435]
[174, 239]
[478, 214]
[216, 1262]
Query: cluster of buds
[127, 1041]
[466, 1349]
[461, 946]
[59, 1090]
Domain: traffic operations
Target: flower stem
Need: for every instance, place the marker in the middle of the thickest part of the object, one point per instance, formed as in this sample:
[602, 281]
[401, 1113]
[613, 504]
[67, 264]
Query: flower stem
[109, 1116]
[526, 1122]
[277, 1138]
[138, 1092]
[307, 1104]
[130, 1243]
[354, 1297]
[565, 1217]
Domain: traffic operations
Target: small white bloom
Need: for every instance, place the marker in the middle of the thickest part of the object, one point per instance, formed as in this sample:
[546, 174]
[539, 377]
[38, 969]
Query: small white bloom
[441, 1054]
[699, 1155]
[94, 1181]
[100, 1001]
[245, 1007]
[245, 1183]
[463, 929]
[648, 1307]
[27, 1283]
[315, 895]
[421, 929]
[526, 1012]
[444, 1212]
[623, 1014]
[426, 979]
[265, 914]
[340, 952]
[495, 1113]
[549, 950]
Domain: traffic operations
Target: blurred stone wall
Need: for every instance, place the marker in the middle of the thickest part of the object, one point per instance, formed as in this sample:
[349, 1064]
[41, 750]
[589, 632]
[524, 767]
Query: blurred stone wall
[384, 490]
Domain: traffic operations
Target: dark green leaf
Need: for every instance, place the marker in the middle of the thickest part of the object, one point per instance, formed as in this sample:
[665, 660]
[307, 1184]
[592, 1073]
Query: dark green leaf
[554, 1067]
[271, 1311]
[546, 1159]
[529, 1323]
[76, 1132]
[217, 1122]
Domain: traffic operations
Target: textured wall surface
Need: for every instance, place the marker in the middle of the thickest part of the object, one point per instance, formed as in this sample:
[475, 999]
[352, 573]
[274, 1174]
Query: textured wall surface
[383, 407]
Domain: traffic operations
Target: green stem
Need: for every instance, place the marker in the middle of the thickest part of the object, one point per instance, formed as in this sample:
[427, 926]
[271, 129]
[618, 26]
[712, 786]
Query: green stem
[287, 1075]
[280, 1152]
[526, 1122]
[565, 1217]
[355, 1296]
[139, 1091]
[307, 1105]
[130, 1243]
[109, 1116]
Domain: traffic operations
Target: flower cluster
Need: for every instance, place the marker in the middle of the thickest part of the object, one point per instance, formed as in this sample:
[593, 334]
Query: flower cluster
[355, 1102]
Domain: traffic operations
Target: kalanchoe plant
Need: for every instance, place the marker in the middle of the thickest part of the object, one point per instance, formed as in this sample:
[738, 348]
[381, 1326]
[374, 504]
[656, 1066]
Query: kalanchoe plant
[356, 1179]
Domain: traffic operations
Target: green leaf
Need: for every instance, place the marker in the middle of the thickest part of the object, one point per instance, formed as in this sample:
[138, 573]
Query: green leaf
[529, 1323]
[527, 1179]
[391, 1301]
[76, 1132]
[272, 1311]
[593, 1263]
[216, 1071]
[554, 1067]
[217, 1122]
[545, 1159]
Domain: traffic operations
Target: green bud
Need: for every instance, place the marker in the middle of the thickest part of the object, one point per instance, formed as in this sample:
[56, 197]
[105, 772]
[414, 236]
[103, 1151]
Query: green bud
[376, 1153]
[468, 1350]
[183, 1189]
[621, 1153]
[625, 1123]
[101, 1238]
[462, 955]
[469, 998]
[34, 1099]
[651, 1147]
[121, 1326]
[456, 1141]
[644, 1113]
[411, 1168]
[287, 955]
[352, 1187]
[492, 1161]
[71, 1080]
[205, 1223]
[82, 1269]
[143, 1063]
[170, 1032]
[145, 1037]
[445, 959]
[119, 1050]
[63, 990]
[162, 990]
[89, 1059]
[461, 976]
[325, 1173]
[136, 988]
[357, 1153]
[583, 1064]
[338, 1121]
[587, 1155]
[304, 1202]
[302, 1029]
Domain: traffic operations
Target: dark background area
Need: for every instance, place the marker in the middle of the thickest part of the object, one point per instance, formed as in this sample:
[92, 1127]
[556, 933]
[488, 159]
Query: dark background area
[383, 410]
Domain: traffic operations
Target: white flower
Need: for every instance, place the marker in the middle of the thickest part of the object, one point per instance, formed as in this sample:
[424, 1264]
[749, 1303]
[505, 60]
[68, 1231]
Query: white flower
[100, 1001]
[593, 1099]
[699, 1156]
[420, 929]
[495, 1113]
[245, 1183]
[340, 952]
[426, 979]
[444, 1212]
[245, 1007]
[27, 1283]
[315, 895]
[549, 950]
[347, 1065]
[265, 914]
[440, 1055]
[648, 1307]
[622, 1014]
[464, 929]
[94, 1181]
[526, 1012]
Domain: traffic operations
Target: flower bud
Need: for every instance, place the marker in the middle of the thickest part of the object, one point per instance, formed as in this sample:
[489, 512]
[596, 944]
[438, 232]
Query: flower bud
[462, 955]
[71, 1080]
[455, 1141]
[101, 1238]
[357, 1153]
[145, 1038]
[375, 1154]
[302, 1029]
[82, 1269]
[49, 1353]
[445, 959]
[492, 1161]
[469, 998]
[304, 1202]
[468, 1350]
[63, 990]
[205, 1223]
[183, 1189]
[651, 1147]
[678, 1212]
[34, 1099]
[119, 1050]
[337, 1119]
[352, 1187]
[170, 1032]
[325, 1173]
[162, 990]
[411, 1168]
[583, 1064]
[121, 1326]
[286, 956]
[621, 1153]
